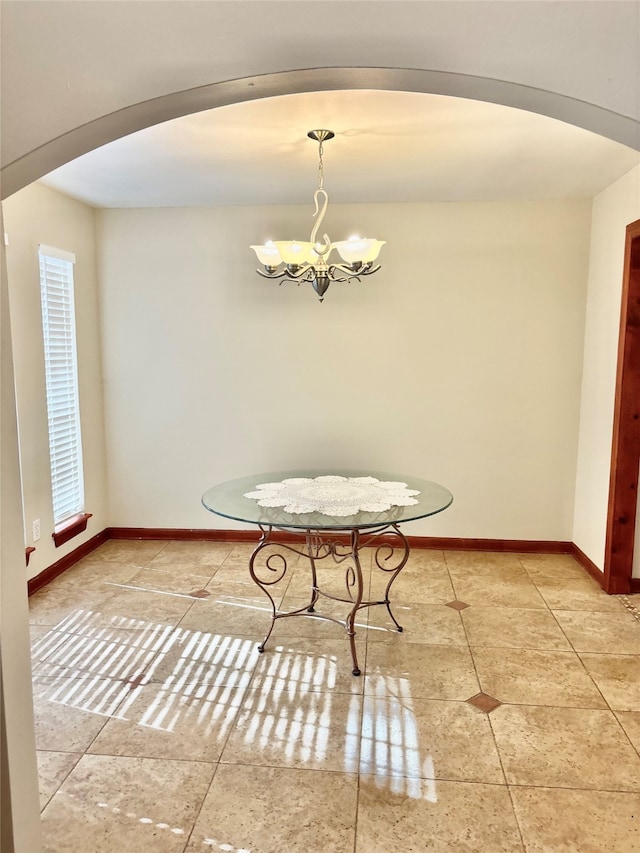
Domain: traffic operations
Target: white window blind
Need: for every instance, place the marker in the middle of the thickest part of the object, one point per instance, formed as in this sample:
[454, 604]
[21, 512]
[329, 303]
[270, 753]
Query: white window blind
[61, 372]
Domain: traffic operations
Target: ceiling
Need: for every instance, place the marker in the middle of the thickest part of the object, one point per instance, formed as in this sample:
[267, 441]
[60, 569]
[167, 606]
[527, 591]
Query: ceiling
[389, 147]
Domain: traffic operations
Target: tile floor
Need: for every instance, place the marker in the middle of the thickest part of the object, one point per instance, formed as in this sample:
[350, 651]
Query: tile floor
[506, 717]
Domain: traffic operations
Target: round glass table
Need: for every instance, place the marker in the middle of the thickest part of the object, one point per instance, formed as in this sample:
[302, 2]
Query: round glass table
[327, 516]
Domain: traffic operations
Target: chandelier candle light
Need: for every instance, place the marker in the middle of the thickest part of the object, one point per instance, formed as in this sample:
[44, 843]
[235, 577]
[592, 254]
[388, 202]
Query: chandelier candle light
[291, 260]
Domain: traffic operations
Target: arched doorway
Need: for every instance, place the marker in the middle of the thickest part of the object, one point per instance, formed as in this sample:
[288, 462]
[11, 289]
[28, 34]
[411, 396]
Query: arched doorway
[112, 126]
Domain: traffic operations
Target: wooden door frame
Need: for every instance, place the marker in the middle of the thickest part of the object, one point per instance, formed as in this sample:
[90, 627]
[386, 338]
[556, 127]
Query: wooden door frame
[625, 448]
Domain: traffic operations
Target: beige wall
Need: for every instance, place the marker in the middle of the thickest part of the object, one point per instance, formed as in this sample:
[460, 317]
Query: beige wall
[613, 210]
[40, 215]
[212, 372]
[459, 362]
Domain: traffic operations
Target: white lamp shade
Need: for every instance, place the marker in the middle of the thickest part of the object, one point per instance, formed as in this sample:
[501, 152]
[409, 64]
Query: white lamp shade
[294, 252]
[359, 249]
[268, 255]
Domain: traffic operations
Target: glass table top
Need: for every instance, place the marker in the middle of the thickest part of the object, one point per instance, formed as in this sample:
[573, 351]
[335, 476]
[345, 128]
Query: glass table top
[227, 500]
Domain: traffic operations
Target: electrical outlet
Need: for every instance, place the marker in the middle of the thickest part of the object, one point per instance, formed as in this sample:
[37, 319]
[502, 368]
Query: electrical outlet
[35, 530]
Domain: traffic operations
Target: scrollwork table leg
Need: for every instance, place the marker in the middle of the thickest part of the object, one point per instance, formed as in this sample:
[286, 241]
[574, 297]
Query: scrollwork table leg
[385, 560]
[276, 564]
[351, 618]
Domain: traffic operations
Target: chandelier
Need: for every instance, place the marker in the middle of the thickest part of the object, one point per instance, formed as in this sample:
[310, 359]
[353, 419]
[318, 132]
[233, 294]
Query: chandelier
[291, 260]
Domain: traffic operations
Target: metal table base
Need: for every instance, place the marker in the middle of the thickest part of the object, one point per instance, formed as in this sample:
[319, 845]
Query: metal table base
[343, 547]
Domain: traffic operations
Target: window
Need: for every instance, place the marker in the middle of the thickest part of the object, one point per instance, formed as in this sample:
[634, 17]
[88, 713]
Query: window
[61, 374]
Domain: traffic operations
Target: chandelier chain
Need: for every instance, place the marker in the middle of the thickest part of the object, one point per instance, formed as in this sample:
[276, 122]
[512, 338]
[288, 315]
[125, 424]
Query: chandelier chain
[320, 166]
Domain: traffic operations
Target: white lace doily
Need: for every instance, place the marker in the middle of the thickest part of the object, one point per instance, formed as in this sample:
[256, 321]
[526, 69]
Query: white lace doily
[333, 495]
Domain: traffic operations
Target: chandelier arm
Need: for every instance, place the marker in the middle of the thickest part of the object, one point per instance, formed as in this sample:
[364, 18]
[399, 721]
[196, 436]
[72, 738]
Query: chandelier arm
[287, 273]
[299, 274]
[271, 275]
[350, 273]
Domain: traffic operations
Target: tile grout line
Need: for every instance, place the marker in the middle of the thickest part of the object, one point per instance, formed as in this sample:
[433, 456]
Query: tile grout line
[455, 598]
[595, 683]
[199, 810]
[66, 776]
[533, 582]
[506, 781]
[358, 774]
[577, 654]
[473, 661]
[362, 696]
[633, 745]
[493, 734]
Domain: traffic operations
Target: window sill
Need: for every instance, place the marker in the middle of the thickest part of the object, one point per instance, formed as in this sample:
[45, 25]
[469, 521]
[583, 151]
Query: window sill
[70, 528]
